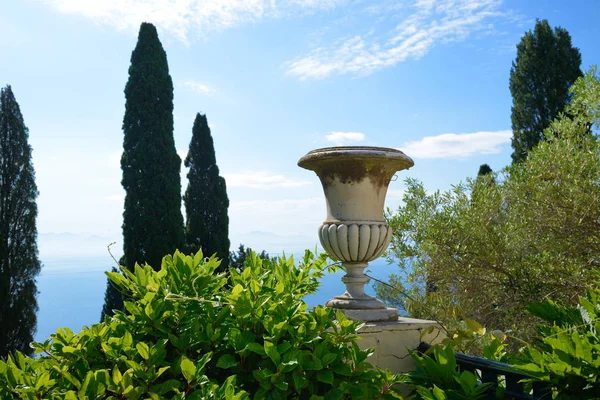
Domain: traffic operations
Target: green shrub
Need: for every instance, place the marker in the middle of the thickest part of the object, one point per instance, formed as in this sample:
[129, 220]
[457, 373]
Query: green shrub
[438, 378]
[567, 355]
[498, 243]
[189, 333]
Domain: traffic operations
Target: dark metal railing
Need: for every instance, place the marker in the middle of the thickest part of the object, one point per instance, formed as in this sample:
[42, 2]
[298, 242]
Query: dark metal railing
[492, 372]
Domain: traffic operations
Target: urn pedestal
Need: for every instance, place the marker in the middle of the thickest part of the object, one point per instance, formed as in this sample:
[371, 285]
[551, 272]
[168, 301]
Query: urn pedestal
[355, 181]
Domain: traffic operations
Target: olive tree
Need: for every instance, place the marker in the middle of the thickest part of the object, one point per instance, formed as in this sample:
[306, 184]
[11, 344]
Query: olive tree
[533, 234]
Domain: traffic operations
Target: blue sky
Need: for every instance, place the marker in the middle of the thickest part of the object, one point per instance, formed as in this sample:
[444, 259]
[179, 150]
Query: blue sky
[276, 80]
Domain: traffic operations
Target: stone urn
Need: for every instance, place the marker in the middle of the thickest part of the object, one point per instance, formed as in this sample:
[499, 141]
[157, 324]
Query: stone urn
[355, 181]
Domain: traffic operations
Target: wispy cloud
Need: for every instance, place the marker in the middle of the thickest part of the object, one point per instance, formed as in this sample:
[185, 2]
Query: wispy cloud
[261, 180]
[318, 4]
[199, 88]
[428, 24]
[457, 145]
[180, 17]
[341, 138]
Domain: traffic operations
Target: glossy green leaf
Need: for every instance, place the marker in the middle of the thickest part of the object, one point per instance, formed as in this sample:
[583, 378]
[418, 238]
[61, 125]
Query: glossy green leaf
[227, 361]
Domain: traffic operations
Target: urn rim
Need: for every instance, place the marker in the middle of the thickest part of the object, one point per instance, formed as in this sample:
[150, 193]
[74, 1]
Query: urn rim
[316, 157]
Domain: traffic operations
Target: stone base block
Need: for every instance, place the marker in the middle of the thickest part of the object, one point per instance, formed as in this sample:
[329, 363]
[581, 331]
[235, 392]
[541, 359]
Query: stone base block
[377, 315]
[393, 340]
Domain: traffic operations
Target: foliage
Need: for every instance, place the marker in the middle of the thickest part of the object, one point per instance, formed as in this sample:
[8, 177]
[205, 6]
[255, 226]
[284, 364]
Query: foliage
[191, 333]
[113, 299]
[438, 378]
[19, 262]
[531, 235]
[237, 260]
[484, 169]
[152, 220]
[206, 201]
[546, 66]
[567, 355]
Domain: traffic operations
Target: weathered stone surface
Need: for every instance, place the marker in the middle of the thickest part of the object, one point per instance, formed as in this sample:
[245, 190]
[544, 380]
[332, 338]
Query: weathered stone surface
[355, 181]
[393, 340]
[355, 243]
[376, 314]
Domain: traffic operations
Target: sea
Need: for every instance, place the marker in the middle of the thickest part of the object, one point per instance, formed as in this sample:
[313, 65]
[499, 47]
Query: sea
[71, 291]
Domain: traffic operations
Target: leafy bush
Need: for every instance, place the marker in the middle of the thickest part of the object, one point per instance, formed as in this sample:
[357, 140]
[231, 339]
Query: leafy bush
[567, 355]
[437, 377]
[188, 333]
[238, 259]
[496, 244]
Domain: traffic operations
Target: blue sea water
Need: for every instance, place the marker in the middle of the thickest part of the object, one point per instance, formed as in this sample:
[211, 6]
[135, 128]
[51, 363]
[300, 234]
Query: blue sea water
[71, 292]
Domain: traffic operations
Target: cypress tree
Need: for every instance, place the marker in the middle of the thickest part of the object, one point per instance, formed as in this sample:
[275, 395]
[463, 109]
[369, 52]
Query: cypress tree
[19, 262]
[238, 259]
[545, 68]
[485, 179]
[484, 169]
[152, 220]
[206, 201]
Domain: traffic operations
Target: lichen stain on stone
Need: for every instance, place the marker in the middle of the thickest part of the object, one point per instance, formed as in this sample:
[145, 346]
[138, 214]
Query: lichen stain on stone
[354, 171]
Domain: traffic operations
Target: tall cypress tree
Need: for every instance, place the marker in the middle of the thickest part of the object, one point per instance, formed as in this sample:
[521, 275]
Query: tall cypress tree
[485, 176]
[19, 262]
[152, 220]
[484, 169]
[206, 201]
[546, 66]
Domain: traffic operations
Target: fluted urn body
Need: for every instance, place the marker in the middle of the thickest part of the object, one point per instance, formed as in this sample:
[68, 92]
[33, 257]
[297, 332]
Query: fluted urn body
[355, 180]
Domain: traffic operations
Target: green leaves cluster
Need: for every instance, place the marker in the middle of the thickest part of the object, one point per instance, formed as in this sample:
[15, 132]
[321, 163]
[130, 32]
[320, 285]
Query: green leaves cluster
[190, 333]
[438, 378]
[567, 354]
[496, 244]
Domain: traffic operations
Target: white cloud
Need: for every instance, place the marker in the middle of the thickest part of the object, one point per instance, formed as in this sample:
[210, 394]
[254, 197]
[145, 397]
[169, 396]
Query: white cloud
[199, 88]
[457, 145]
[341, 138]
[430, 22]
[180, 17]
[261, 180]
[316, 4]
